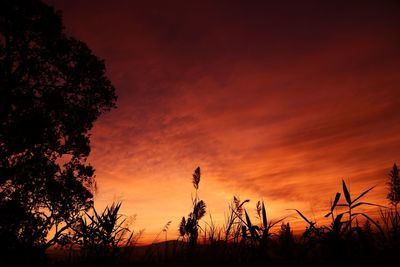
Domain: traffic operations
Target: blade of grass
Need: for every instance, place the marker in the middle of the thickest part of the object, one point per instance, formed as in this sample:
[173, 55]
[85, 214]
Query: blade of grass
[346, 192]
[248, 221]
[264, 216]
[304, 218]
[337, 197]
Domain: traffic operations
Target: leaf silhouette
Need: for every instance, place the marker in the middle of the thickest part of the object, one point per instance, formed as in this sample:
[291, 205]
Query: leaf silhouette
[264, 216]
[346, 193]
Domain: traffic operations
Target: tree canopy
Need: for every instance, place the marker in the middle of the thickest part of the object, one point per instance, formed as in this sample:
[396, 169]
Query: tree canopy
[52, 90]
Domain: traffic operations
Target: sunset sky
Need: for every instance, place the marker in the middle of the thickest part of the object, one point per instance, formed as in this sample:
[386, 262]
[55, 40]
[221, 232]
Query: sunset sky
[273, 100]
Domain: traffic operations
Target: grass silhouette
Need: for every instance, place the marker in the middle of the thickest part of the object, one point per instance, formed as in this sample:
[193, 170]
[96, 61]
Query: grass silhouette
[189, 228]
[351, 238]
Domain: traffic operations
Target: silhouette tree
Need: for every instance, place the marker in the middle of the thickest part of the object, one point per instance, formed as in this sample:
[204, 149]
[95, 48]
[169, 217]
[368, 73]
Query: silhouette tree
[391, 217]
[394, 186]
[52, 89]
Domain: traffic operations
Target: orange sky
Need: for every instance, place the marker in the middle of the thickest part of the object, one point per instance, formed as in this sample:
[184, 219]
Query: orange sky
[273, 101]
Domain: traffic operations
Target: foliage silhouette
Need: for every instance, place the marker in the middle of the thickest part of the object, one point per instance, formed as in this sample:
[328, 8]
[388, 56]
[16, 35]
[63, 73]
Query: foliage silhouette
[351, 204]
[100, 234]
[286, 240]
[103, 238]
[234, 220]
[52, 89]
[332, 240]
[258, 235]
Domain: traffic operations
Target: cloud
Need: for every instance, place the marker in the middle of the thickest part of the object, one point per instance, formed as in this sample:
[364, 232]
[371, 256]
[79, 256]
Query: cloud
[273, 101]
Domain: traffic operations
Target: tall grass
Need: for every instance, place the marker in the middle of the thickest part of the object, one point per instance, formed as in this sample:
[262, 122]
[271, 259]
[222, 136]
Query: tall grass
[189, 228]
[350, 236]
[101, 235]
[336, 238]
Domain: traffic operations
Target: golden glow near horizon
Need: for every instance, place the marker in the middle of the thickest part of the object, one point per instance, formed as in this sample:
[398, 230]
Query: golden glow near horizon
[276, 103]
